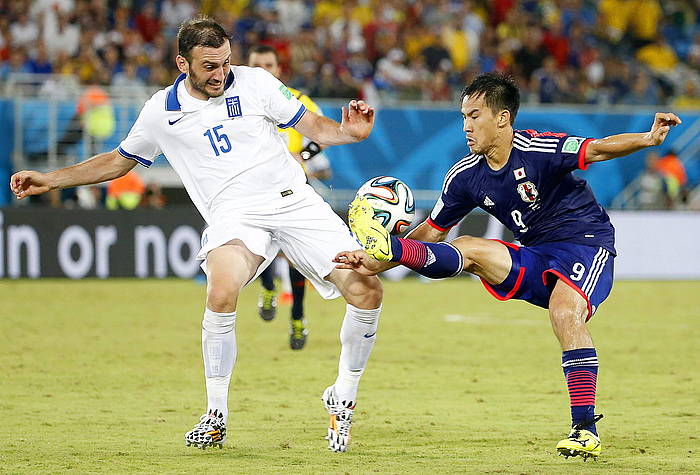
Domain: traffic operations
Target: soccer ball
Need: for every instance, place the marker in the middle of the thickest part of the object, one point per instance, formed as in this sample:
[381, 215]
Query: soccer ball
[392, 201]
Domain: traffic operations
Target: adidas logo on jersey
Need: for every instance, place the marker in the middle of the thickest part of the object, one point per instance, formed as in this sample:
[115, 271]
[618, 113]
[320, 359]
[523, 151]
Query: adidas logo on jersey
[488, 202]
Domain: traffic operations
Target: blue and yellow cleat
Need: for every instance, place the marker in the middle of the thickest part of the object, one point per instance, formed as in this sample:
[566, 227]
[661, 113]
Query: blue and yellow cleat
[370, 232]
[581, 442]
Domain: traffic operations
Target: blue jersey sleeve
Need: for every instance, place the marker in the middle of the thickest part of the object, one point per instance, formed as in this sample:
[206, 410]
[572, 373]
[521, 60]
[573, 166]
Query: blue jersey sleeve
[564, 153]
[570, 154]
[453, 205]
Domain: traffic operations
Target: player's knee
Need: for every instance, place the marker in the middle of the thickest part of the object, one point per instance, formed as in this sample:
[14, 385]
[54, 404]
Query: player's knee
[222, 297]
[468, 246]
[364, 292]
[566, 316]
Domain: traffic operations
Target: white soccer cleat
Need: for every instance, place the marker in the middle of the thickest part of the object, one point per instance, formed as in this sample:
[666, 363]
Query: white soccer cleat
[340, 420]
[210, 431]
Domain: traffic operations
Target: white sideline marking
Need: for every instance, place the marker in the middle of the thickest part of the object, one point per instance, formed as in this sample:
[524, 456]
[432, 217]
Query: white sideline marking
[486, 319]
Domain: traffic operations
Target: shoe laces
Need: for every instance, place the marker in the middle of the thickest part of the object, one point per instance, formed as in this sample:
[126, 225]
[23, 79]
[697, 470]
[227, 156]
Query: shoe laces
[298, 329]
[577, 428]
[213, 419]
[268, 298]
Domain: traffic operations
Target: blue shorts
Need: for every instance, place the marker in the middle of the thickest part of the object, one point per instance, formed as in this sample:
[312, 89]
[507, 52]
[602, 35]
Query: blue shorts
[535, 271]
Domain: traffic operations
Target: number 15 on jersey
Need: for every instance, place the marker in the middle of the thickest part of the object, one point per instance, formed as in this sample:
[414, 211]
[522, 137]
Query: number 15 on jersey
[215, 139]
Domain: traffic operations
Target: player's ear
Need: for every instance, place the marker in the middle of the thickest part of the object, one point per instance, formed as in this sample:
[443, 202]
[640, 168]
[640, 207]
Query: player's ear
[504, 118]
[182, 64]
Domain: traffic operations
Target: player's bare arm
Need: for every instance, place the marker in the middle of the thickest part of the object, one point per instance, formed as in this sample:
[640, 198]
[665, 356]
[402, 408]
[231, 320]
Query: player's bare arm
[363, 263]
[102, 167]
[356, 125]
[623, 144]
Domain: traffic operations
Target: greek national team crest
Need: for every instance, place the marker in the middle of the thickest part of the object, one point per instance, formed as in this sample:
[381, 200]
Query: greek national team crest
[233, 106]
[528, 191]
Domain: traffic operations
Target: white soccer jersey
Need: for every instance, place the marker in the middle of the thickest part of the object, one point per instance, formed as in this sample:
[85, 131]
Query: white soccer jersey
[226, 150]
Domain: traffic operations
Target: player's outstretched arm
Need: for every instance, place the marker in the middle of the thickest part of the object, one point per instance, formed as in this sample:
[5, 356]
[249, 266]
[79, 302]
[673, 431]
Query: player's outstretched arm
[623, 144]
[102, 167]
[356, 125]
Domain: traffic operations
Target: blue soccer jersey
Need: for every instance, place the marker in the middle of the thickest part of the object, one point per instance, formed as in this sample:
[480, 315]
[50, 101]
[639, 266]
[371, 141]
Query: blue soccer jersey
[535, 194]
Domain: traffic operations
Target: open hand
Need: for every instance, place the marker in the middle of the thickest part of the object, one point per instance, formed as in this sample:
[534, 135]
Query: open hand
[359, 261]
[358, 119]
[663, 121]
[27, 183]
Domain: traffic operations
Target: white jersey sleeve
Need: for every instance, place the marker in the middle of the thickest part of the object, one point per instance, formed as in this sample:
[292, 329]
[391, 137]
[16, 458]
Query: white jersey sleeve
[139, 144]
[279, 103]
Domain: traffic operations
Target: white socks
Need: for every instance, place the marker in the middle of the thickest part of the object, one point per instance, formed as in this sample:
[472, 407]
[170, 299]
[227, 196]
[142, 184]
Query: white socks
[219, 352]
[357, 336]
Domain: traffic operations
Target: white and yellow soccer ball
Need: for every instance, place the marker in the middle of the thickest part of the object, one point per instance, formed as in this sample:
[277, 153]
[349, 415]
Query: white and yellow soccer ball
[392, 201]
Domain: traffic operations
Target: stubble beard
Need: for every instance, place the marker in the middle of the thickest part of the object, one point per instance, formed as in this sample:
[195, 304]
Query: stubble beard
[201, 86]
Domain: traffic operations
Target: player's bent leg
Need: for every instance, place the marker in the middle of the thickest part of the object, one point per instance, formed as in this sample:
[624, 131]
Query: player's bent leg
[363, 295]
[568, 311]
[229, 268]
[485, 258]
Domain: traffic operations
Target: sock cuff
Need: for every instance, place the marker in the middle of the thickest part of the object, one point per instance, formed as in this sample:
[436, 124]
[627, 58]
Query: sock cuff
[579, 357]
[363, 315]
[460, 267]
[217, 322]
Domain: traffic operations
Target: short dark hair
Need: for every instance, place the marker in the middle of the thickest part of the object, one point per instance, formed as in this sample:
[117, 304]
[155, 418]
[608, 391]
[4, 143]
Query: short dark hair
[499, 91]
[199, 31]
[264, 49]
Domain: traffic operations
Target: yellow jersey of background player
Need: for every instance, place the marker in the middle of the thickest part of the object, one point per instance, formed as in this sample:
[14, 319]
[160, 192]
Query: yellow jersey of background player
[303, 151]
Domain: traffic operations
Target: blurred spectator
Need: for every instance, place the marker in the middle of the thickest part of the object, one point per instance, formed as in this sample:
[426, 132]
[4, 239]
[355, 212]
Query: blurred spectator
[392, 74]
[147, 23]
[18, 63]
[599, 46]
[39, 63]
[544, 82]
[642, 92]
[127, 84]
[530, 56]
[125, 192]
[690, 95]
[153, 197]
[662, 184]
[24, 32]
[671, 166]
[659, 56]
[174, 12]
[61, 36]
[93, 120]
[90, 197]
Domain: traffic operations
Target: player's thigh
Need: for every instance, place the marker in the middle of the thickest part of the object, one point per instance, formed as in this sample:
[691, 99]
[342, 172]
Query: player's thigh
[229, 268]
[361, 291]
[486, 258]
[311, 237]
[567, 306]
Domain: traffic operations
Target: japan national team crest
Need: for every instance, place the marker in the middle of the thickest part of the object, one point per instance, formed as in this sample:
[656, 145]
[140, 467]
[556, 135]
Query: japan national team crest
[528, 192]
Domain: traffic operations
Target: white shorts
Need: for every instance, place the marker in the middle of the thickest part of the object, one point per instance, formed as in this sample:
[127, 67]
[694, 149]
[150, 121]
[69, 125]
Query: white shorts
[308, 232]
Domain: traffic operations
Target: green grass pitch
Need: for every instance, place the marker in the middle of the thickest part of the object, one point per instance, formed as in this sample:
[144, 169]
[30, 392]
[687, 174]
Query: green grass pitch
[106, 376]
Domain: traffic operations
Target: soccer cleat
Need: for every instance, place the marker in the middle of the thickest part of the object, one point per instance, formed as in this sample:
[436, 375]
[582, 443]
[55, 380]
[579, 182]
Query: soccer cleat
[209, 432]
[370, 232]
[297, 334]
[267, 304]
[581, 442]
[340, 420]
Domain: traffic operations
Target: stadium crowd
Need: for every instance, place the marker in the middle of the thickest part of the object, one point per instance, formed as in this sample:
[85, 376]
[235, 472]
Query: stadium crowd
[573, 51]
